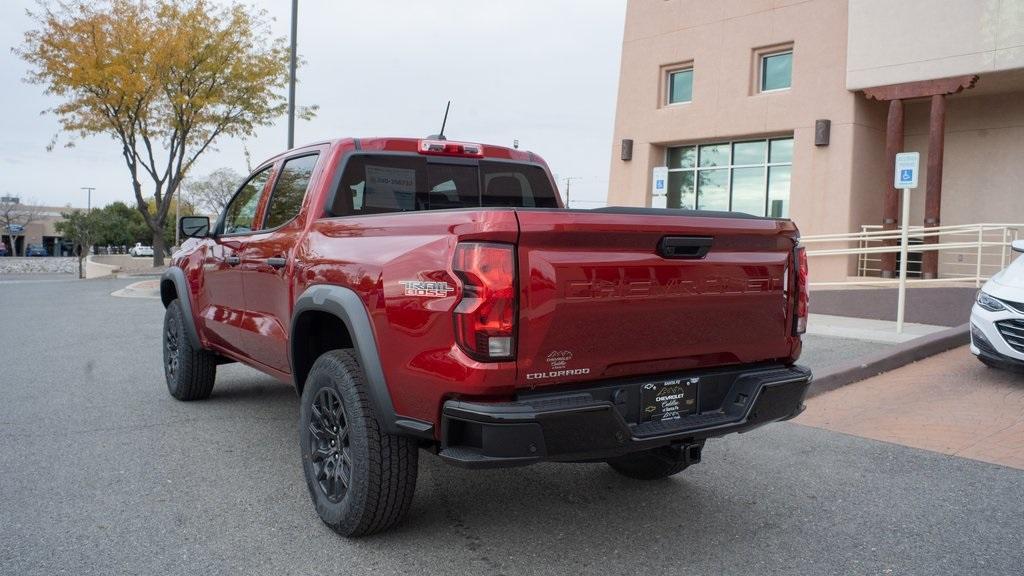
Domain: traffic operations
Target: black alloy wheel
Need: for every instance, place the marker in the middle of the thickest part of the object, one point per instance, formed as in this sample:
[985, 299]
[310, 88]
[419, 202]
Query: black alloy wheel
[172, 348]
[329, 445]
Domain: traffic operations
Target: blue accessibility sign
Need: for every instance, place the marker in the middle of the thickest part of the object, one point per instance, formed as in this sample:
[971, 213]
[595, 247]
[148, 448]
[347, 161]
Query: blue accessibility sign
[906, 170]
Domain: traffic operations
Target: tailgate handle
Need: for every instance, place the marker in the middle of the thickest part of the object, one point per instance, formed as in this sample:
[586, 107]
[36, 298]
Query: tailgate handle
[692, 247]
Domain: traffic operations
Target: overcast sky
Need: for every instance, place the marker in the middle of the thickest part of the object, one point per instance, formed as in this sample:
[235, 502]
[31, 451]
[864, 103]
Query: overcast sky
[541, 71]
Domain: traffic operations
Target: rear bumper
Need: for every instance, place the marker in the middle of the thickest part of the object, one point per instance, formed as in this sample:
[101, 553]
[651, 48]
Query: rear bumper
[604, 422]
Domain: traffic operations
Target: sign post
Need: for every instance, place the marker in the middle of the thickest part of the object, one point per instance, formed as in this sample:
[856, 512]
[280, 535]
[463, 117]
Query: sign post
[905, 178]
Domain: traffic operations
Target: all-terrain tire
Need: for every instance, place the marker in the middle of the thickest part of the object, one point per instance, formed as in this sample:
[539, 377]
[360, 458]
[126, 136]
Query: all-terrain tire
[650, 464]
[381, 468]
[190, 372]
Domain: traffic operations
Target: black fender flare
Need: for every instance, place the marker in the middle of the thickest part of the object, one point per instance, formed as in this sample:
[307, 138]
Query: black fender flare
[175, 277]
[345, 304]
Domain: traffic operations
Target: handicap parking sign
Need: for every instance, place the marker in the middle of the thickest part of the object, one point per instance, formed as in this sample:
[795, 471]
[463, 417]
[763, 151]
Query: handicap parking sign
[906, 170]
[659, 186]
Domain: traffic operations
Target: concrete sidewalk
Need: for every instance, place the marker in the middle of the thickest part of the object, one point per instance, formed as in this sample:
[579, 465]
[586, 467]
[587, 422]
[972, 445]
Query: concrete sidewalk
[867, 329]
[864, 319]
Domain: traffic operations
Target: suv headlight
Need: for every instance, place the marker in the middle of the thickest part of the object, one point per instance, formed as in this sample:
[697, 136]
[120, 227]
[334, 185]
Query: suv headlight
[989, 303]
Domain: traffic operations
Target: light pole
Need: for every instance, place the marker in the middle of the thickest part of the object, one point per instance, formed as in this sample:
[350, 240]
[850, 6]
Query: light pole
[177, 219]
[291, 77]
[88, 206]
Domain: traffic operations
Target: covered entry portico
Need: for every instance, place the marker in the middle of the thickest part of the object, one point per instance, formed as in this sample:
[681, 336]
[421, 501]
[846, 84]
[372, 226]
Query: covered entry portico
[895, 95]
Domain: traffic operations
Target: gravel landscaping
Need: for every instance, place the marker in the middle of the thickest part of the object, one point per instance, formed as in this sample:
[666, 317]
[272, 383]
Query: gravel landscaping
[62, 265]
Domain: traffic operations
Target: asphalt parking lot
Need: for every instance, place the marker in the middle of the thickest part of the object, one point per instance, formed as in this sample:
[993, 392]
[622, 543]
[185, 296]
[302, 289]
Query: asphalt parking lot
[101, 472]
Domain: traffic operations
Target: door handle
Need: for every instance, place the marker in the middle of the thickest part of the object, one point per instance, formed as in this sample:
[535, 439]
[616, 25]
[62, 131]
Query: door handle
[233, 260]
[685, 247]
[277, 262]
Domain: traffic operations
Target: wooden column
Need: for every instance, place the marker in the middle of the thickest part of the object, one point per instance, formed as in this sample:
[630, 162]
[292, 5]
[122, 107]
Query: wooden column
[933, 191]
[891, 203]
[894, 94]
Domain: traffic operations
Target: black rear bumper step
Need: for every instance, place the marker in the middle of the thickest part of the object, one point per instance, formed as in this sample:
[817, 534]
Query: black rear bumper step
[581, 426]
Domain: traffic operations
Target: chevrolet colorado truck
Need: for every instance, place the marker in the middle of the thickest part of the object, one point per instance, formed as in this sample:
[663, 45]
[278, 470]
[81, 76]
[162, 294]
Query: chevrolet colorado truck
[436, 294]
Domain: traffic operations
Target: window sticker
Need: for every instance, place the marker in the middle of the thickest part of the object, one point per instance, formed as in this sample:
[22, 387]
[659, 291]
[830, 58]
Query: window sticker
[387, 187]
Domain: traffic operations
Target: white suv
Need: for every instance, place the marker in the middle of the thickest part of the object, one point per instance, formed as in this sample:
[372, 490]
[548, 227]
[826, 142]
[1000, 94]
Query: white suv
[997, 319]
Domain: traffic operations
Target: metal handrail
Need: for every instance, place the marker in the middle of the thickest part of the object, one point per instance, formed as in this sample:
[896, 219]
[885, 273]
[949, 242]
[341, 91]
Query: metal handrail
[984, 239]
[886, 249]
[915, 230]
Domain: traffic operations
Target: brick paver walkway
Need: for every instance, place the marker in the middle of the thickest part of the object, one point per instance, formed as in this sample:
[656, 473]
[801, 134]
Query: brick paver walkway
[949, 403]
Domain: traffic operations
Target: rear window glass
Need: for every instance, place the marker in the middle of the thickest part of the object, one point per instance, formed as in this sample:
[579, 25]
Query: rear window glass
[375, 184]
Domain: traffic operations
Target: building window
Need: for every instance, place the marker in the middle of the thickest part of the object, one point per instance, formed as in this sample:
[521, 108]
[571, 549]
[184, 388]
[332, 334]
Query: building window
[680, 86]
[751, 176]
[776, 71]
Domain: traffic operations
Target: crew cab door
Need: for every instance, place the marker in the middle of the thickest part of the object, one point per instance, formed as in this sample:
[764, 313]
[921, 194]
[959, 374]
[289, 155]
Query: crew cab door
[267, 263]
[221, 302]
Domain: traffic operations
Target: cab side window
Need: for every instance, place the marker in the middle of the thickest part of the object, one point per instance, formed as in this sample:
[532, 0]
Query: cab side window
[239, 215]
[289, 190]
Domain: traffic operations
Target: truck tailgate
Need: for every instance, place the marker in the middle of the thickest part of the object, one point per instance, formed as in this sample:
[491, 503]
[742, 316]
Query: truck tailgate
[599, 299]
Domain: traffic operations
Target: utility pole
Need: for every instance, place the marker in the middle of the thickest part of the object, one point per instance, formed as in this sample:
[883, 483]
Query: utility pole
[291, 77]
[89, 201]
[568, 184]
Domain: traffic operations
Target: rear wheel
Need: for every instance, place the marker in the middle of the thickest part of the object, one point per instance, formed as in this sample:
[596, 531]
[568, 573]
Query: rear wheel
[189, 371]
[361, 479]
[651, 464]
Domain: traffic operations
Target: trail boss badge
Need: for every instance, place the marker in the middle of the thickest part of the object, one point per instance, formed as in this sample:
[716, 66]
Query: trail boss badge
[427, 289]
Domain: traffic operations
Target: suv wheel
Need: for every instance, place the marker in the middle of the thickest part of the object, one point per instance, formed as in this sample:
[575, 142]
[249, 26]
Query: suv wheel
[651, 464]
[189, 371]
[360, 478]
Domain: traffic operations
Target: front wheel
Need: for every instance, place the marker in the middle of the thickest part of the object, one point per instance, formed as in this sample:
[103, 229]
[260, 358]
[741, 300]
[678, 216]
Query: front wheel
[360, 478]
[189, 371]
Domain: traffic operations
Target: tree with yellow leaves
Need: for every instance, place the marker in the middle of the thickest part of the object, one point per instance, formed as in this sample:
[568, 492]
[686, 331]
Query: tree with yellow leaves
[164, 78]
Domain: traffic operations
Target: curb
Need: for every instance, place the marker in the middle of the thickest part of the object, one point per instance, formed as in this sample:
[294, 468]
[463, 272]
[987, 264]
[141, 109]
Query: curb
[896, 356]
[143, 289]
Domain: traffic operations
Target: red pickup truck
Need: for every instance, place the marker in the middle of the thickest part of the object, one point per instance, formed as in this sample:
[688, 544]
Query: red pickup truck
[436, 294]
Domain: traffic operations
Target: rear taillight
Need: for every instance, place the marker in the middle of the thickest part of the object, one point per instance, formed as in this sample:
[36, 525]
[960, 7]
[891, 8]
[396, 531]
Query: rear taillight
[446, 148]
[485, 317]
[802, 296]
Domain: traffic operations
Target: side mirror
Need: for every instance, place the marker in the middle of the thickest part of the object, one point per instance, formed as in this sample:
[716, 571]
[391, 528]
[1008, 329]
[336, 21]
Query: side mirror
[1017, 245]
[194, 226]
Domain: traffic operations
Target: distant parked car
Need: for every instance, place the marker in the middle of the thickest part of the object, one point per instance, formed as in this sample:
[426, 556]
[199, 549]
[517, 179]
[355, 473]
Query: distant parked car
[997, 319]
[36, 250]
[140, 250]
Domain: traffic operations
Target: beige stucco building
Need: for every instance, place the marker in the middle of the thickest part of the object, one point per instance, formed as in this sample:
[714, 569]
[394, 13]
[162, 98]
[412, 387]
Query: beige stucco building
[781, 107]
[40, 231]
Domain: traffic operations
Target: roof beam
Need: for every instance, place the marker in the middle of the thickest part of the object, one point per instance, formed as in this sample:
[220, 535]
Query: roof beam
[922, 88]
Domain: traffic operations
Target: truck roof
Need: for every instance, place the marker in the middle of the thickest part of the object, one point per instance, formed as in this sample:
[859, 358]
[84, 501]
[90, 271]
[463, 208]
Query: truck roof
[411, 145]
